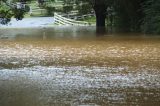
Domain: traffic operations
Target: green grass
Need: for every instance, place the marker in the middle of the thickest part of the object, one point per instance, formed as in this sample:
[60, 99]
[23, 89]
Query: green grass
[27, 15]
[90, 19]
[36, 14]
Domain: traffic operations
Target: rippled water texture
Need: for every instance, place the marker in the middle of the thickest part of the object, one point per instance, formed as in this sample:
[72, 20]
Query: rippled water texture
[75, 67]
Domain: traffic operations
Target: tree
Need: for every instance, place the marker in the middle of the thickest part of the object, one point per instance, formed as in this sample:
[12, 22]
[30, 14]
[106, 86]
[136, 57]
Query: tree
[100, 7]
[151, 22]
[8, 10]
[129, 14]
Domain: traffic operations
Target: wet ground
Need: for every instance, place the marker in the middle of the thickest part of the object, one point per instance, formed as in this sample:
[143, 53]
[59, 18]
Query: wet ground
[74, 67]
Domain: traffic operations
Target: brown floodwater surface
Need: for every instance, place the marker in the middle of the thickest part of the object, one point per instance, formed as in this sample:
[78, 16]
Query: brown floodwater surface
[72, 66]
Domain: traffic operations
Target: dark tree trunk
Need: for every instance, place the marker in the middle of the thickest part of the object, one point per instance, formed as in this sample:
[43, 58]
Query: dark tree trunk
[100, 24]
[100, 11]
[100, 20]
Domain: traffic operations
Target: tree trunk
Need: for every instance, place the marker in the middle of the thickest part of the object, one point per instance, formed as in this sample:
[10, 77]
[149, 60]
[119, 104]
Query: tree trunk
[100, 20]
[100, 11]
[100, 24]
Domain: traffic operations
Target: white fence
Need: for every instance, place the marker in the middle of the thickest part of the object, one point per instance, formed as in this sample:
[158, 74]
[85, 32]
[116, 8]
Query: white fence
[59, 20]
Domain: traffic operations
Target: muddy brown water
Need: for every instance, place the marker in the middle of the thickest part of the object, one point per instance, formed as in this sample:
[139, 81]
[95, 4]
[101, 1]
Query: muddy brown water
[72, 66]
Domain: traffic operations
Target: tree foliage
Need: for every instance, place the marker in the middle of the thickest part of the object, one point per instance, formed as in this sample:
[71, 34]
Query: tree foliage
[151, 22]
[5, 14]
[7, 11]
[84, 9]
[67, 8]
[131, 15]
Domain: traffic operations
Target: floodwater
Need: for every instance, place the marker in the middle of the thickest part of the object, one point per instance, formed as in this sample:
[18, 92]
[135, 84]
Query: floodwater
[69, 66]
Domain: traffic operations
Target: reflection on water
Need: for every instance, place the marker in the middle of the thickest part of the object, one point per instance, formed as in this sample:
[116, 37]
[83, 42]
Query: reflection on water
[53, 32]
[74, 67]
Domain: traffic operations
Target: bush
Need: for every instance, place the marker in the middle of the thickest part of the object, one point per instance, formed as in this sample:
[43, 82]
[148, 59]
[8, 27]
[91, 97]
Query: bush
[50, 10]
[67, 9]
[27, 8]
[84, 9]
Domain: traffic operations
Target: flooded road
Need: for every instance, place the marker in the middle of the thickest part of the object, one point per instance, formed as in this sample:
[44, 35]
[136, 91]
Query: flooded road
[29, 22]
[74, 67]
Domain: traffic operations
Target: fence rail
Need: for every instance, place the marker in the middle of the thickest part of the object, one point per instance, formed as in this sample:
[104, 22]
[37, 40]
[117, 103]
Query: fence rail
[59, 20]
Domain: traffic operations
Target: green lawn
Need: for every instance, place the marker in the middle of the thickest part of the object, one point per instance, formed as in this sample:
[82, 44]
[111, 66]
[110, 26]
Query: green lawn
[90, 19]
